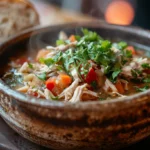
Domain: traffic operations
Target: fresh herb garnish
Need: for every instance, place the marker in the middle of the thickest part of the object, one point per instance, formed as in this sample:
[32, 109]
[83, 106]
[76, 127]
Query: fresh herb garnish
[60, 42]
[135, 73]
[146, 66]
[13, 79]
[115, 74]
[147, 80]
[94, 85]
[142, 89]
[30, 65]
[47, 61]
[42, 76]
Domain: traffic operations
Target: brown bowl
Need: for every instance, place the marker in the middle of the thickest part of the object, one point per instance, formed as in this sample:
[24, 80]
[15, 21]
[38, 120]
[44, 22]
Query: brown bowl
[84, 125]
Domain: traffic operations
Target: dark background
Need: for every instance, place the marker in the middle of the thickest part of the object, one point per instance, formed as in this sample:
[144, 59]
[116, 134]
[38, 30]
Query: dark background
[141, 7]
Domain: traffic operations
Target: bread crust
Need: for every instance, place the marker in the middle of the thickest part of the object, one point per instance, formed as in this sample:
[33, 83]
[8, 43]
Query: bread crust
[15, 16]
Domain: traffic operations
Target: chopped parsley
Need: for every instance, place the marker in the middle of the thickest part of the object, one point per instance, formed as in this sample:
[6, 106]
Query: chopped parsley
[30, 65]
[146, 66]
[42, 76]
[147, 80]
[142, 89]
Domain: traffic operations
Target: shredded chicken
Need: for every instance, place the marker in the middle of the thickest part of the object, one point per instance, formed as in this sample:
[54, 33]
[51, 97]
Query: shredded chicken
[77, 96]
[116, 93]
[101, 78]
[61, 47]
[68, 92]
[109, 86]
[134, 64]
[89, 95]
[126, 84]
[24, 68]
[48, 94]
[75, 74]
[23, 89]
[63, 36]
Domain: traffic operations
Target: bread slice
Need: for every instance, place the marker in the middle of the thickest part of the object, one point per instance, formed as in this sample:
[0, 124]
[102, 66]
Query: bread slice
[15, 16]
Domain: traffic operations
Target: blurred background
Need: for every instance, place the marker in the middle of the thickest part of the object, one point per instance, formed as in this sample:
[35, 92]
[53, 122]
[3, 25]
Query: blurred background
[122, 12]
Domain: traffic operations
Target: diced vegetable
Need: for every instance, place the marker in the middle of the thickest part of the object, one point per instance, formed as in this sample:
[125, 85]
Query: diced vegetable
[65, 80]
[91, 76]
[72, 38]
[51, 83]
[22, 60]
[120, 87]
[131, 48]
[147, 71]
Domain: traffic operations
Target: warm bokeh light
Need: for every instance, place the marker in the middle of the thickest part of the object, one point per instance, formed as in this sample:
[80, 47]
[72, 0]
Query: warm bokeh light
[119, 12]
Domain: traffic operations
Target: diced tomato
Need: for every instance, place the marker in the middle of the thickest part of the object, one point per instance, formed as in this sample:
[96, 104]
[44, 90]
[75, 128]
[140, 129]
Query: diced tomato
[147, 71]
[41, 54]
[119, 87]
[91, 76]
[58, 84]
[21, 60]
[72, 38]
[34, 94]
[132, 49]
[51, 83]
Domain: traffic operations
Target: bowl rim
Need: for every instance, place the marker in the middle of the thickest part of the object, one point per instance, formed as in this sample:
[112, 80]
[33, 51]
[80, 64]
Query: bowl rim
[90, 105]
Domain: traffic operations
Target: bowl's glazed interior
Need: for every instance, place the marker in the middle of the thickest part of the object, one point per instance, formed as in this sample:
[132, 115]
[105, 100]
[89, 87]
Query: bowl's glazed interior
[85, 125]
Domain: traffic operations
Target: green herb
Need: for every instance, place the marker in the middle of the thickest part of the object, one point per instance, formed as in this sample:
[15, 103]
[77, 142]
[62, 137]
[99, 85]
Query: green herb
[142, 89]
[115, 74]
[30, 65]
[122, 45]
[136, 73]
[60, 42]
[48, 61]
[42, 76]
[146, 66]
[147, 80]
[101, 99]
[54, 97]
[13, 79]
[94, 84]
[127, 53]
[92, 47]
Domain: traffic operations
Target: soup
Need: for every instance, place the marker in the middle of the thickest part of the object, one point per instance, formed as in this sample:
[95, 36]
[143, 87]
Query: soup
[81, 68]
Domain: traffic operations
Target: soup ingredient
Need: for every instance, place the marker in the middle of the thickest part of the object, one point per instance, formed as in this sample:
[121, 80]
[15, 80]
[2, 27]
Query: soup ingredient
[84, 68]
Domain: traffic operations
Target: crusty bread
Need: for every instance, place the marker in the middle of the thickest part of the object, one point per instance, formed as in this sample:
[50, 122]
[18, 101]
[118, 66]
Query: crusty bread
[15, 16]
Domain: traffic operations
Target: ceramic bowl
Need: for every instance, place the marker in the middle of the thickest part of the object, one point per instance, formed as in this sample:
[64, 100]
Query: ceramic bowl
[110, 124]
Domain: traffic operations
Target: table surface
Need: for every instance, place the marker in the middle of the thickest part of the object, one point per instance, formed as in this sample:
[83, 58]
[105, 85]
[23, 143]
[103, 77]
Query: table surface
[10, 140]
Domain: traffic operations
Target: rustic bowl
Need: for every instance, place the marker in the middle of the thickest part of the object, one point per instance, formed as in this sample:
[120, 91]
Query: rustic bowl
[84, 125]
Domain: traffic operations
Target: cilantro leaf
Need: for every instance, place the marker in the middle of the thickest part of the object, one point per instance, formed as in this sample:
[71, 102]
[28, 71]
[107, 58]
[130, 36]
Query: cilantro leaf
[147, 80]
[30, 65]
[60, 42]
[48, 61]
[42, 76]
[115, 74]
[142, 89]
[122, 45]
[146, 66]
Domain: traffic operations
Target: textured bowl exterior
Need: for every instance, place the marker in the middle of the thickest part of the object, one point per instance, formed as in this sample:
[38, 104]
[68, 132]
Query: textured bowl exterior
[85, 125]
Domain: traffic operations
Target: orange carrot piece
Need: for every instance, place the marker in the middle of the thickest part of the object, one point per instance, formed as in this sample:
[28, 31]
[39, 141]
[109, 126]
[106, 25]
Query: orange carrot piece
[131, 48]
[41, 54]
[65, 80]
[119, 87]
[72, 38]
